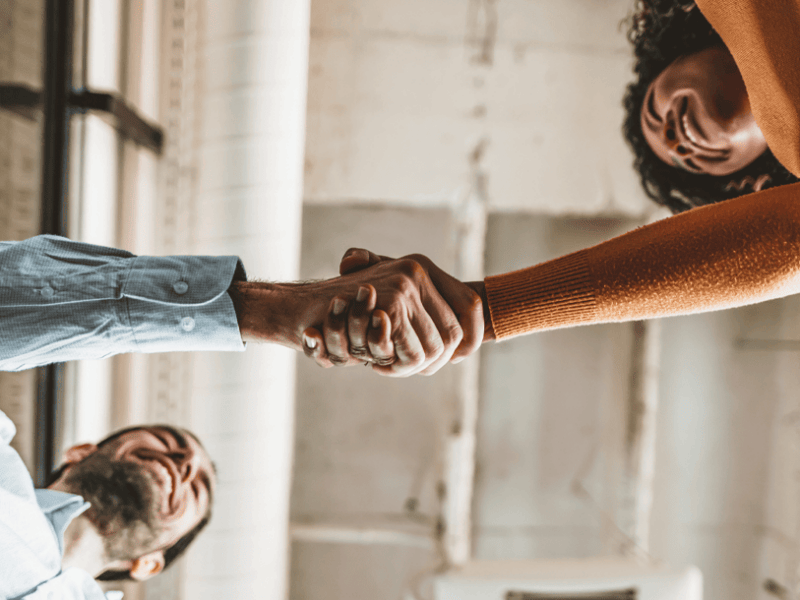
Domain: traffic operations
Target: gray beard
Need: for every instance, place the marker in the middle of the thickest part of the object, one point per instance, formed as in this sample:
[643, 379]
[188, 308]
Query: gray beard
[124, 507]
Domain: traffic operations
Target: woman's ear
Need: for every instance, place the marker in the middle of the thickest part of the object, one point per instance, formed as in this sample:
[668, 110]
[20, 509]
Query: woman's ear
[77, 453]
[146, 566]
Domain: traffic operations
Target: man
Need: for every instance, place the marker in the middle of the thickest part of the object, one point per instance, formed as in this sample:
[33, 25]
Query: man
[125, 508]
[63, 300]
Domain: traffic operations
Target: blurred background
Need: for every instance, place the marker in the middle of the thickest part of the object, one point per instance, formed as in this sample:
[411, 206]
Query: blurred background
[482, 133]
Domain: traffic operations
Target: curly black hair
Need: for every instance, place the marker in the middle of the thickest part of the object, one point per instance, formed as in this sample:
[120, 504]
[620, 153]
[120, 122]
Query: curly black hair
[660, 31]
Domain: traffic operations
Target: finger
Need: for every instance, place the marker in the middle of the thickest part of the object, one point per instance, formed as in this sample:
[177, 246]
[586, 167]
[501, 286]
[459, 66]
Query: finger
[314, 347]
[334, 331]
[379, 340]
[471, 319]
[465, 303]
[358, 322]
[448, 327]
[409, 350]
[356, 259]
[419, 346]
[439, 332]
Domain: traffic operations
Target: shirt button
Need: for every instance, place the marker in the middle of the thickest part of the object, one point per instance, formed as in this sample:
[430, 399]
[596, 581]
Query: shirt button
[47, 292]
[181, 288]
[187, 323]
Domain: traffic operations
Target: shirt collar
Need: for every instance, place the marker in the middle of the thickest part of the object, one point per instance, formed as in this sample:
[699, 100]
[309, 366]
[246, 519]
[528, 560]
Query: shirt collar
[60, 508]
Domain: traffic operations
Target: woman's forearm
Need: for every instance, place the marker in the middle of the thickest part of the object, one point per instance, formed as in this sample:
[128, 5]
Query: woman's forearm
[739, 252]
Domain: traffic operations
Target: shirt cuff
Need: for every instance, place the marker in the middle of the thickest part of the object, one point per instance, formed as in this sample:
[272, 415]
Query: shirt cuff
[181, 304]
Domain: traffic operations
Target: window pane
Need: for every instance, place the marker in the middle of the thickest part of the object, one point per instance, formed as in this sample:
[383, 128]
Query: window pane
[104, 19]
[99, 185]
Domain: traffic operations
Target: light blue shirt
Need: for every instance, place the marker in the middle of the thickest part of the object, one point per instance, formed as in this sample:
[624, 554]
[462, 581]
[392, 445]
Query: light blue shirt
[63, 300]
[32, 525]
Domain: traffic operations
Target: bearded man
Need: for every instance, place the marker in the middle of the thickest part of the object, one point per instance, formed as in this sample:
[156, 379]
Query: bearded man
[124, 508]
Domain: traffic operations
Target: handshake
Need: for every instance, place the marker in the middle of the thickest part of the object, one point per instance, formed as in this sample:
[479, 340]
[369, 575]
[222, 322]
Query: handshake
[403, 316]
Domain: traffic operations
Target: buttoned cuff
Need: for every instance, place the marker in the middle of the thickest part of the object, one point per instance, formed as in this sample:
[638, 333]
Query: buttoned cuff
[181, 304]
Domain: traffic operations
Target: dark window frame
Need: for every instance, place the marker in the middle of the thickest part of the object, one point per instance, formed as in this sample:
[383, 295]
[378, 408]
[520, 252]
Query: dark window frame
[57, 102]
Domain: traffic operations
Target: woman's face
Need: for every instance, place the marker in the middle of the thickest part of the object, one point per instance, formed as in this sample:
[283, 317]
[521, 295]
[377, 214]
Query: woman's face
[696, 115]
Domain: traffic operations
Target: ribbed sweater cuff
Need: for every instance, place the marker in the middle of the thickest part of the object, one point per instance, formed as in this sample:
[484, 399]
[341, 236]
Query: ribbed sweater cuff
[558, 293]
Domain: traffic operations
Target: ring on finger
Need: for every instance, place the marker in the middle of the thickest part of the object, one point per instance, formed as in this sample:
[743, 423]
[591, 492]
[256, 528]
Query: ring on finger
[385, 361]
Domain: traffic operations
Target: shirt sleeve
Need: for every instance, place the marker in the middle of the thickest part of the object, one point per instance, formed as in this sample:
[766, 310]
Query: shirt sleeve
[72, 584]
[730, 254]
[63, 300]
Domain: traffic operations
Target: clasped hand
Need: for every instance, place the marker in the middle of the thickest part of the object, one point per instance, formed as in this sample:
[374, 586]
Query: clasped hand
[406, 317]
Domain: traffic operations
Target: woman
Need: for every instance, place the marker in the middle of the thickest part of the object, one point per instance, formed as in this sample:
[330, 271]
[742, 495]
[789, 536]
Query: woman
[688, 114]
[729, 254]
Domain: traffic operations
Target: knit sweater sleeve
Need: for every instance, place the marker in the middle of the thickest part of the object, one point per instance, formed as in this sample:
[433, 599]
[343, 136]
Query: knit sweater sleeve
[739, 252]
[763, 37]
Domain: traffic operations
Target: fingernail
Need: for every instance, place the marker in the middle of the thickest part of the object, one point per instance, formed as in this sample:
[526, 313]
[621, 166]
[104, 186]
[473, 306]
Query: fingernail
[309, 341]
[455, 361]
[363, 294]
[338, 306]
[376, 321]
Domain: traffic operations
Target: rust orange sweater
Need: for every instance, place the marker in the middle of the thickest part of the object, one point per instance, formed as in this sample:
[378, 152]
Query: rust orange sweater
[731, 254]
[738, 252]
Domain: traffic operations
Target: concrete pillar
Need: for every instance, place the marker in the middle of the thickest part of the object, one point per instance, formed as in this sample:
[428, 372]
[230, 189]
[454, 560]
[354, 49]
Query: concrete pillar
[250, 149]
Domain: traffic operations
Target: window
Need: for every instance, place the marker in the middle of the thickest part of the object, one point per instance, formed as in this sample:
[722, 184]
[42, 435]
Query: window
[76, 78]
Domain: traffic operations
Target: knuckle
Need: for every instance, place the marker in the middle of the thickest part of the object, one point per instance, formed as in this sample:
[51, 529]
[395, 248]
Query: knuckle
[421, 260]
[436, 351]
[359, 351]
[412, 357]
[416, 359]
[410, 267]
[385, 361]
[337, 361]
[452, 335]
[472, 305]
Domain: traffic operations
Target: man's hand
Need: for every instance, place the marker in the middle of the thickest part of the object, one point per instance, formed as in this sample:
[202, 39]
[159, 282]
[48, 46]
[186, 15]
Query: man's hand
[337, 345]
[411, 315]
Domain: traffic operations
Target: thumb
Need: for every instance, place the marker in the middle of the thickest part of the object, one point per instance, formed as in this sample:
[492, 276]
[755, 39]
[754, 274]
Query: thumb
[356, 259]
